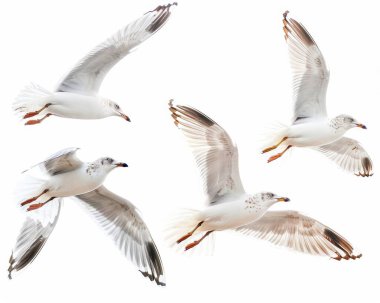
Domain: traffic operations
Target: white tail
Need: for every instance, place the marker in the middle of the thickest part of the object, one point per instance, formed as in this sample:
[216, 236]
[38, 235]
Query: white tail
[184, 222]
[28, 187]
[272, 134]
[31, 98]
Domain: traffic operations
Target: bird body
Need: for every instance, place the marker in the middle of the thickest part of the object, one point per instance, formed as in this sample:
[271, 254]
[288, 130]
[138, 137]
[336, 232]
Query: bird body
[313, 133]
[79, 106]
[82, 180]
[233, 211]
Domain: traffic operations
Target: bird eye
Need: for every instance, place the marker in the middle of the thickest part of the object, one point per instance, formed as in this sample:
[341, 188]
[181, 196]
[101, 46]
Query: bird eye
[117, 106]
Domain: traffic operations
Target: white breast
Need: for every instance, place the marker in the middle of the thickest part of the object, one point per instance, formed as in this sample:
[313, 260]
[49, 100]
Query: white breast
[77, 106]
[74, 183]
[242, 210]
[312, 134]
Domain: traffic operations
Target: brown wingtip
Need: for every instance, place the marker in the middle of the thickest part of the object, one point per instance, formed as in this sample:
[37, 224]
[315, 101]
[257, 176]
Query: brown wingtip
[285, 22]
[342, 244]
[162, 16]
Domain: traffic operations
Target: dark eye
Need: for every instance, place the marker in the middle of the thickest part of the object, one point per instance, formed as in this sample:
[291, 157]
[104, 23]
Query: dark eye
[117, 106]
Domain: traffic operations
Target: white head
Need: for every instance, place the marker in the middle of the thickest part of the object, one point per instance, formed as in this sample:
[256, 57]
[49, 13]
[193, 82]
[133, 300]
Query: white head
[267, 199]
[346, 122]
[114, 109]
[107, 164]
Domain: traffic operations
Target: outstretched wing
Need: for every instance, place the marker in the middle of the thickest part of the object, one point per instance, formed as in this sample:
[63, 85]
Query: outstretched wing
[88, 74]
[61, 162]
[121, 221]
[33, 236]
[216, 155]
[301, 233]
[310, 73]
[349, 155]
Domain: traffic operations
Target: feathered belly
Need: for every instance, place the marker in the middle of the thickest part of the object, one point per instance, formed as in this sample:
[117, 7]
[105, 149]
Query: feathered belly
[311, 135]
[72, 184]
[76, 106]
[230, 216]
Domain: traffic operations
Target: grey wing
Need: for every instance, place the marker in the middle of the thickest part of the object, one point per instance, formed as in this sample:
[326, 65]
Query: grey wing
[33, 236]
[61, 162]
[310, 73]
[120, 219]
[216, 155]
[300, 233]
[349, 155]
[88, 74]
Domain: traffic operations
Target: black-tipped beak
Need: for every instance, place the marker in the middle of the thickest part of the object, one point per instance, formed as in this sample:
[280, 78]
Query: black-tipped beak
[361, 126]
[283, 199]
[121, 164]
[125, 117]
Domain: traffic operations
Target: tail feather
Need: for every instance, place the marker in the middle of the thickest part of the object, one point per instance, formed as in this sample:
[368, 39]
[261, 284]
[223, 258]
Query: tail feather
[28, 187]
[273, 134]
[181, 224]
[31, 98]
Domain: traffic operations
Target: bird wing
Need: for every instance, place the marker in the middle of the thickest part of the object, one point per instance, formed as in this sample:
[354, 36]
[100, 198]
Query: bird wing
[300, 233]
[349, 155]
[87, 76]
[61, 162]
[120, 219]
[216, 155]
[310, 73]
[33, 236]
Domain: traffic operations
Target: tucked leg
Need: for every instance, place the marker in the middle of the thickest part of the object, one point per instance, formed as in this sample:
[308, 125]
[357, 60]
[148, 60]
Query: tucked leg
[274, 146]
[195, 243]
[34, 198]
[279, 154]
[32, 122]
[189, 234]
[32, 114]
[39, 205]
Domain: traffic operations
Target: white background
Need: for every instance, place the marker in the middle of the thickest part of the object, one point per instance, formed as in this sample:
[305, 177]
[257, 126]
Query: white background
[228, 59]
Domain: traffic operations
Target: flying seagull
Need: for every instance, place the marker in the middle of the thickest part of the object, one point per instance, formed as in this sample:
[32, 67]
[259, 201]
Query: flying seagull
[76, 96]
[65, 175]
[230, 207]
[311, 126]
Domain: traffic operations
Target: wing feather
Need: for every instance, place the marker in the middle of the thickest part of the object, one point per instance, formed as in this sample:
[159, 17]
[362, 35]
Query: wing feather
[349, 155]
[33, 236]
[61, 162]
[122, 222]
[310, 73]
[213, 149]
[301, 233]
[87, 76]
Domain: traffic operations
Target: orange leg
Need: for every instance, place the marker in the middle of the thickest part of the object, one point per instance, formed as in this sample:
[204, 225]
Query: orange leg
[32, 114]
[34, 198]
[279, 154]
[32, 122]
[189, 234]
[39, 205]
[195, 243]
[274, 146]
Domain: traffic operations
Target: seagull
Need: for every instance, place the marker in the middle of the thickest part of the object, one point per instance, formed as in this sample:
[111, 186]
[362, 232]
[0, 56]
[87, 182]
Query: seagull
[229, 207]
[76, 96]
[311, 126]
[67, 176]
